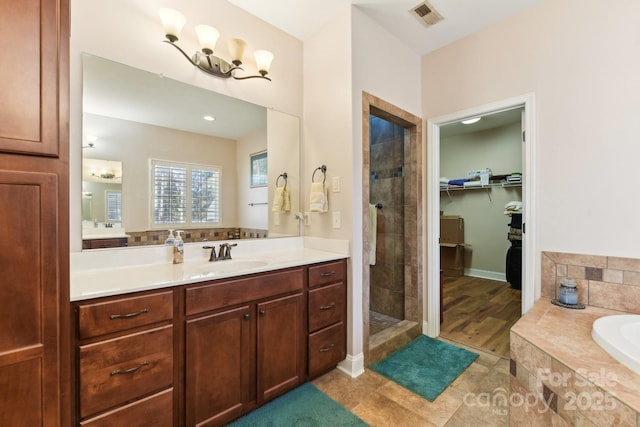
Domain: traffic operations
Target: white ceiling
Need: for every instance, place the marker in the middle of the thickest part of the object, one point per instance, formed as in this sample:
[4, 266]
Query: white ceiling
[116, 90]
[489, 121]
[302, 18]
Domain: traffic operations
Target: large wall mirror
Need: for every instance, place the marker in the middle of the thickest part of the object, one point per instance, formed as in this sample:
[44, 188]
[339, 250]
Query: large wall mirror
[160, 154]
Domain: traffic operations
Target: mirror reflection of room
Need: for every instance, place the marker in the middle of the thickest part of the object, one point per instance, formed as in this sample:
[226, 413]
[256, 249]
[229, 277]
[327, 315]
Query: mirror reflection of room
[101, 194]
[182, 169]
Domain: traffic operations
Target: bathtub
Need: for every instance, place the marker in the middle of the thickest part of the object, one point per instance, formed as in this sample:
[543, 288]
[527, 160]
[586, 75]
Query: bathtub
[619, 335]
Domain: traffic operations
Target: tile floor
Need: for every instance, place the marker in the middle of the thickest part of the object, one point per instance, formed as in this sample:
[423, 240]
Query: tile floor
[478, 397]
[379, 322]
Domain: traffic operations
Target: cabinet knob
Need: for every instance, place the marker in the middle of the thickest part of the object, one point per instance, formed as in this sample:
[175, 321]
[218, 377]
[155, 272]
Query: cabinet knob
[263, 312]
[247, 316]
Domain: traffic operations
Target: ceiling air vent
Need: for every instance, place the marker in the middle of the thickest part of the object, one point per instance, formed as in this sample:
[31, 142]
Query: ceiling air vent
[426, 14]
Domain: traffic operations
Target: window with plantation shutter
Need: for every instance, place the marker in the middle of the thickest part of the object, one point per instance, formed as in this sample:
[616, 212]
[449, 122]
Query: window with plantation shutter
[114, 206]
[185, 194]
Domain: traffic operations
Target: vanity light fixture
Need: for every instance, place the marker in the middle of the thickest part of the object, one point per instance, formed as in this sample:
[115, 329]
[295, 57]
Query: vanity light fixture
[471, 121]
[205, 60]
[104, 174]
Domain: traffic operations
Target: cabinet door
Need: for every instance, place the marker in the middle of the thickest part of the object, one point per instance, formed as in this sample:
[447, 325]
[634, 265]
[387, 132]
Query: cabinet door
[280, 346]
[29, 67]
[218, 366]
[29, 388]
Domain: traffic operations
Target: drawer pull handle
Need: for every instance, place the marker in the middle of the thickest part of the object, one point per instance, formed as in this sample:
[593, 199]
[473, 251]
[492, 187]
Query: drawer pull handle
[328, 307]
[130, 370]
[327, 274]
[325, 349]
[128, 315]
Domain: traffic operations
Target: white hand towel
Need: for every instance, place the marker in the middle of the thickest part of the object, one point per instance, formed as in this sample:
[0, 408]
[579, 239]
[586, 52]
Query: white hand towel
[318, 198]
[373, 223]
[278, 200]
[286, 200]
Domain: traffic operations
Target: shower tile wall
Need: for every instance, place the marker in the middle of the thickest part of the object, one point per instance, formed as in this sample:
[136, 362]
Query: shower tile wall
[387, 284]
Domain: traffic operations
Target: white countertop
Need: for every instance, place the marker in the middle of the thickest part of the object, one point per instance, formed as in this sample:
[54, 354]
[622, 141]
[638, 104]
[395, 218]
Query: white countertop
[92, 233]
[100, 273]
[104, 236]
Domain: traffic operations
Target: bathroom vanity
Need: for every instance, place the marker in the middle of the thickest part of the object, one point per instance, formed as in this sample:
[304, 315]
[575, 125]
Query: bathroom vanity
[200, 350]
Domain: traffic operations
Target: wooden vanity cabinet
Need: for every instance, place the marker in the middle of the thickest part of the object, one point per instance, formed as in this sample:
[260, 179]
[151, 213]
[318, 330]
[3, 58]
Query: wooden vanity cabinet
[205, 354]
[327, 310]
[125, 360]
[34, 194]
[245, 344]
[114, 242]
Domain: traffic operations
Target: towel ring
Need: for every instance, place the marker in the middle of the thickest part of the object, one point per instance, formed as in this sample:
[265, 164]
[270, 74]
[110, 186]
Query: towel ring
[282, 175]
[323, 169]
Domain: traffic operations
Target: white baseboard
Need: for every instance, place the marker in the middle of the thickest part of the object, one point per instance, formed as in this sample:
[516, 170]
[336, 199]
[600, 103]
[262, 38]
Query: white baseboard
[352, 365]
[426, 331]
[485, 274]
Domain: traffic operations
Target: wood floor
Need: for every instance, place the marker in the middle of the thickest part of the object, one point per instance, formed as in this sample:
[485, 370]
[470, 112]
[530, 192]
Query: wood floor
[480, 312]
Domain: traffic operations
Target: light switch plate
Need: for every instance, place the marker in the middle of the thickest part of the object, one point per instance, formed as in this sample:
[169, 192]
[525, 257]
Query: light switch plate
[335, 181]
[336, 220]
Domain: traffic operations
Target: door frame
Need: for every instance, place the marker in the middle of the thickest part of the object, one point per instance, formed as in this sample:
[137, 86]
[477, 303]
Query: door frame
[432, 272]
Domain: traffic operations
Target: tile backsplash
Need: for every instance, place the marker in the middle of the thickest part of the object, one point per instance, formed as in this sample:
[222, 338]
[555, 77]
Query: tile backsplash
[157, 237]
[602, 281]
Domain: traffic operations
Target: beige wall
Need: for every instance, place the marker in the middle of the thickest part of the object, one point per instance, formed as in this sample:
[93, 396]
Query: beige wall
[580, 60]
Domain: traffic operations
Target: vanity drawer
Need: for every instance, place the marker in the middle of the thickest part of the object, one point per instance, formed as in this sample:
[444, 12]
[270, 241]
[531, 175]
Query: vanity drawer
[115, 371]
[326, 305]
[327, 273]
[155, 410]
[117, 315]
[227, 293]
[327, 347]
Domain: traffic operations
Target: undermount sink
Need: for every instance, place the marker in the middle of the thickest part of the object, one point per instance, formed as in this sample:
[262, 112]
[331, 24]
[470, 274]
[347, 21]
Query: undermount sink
[619, 335]
[224, 267]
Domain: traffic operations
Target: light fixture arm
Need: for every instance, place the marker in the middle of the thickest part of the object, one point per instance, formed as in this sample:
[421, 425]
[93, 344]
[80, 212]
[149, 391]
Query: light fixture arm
[215, 65]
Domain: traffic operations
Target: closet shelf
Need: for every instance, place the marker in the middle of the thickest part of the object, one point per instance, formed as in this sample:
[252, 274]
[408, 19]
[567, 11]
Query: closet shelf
[450, 188]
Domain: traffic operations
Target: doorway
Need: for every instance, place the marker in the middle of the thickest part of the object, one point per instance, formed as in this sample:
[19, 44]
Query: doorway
[392, 179]
[526, 102]
[481, 174]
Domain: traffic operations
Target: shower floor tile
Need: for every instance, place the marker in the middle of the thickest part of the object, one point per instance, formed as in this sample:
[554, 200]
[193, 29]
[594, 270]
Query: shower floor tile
[379, 322]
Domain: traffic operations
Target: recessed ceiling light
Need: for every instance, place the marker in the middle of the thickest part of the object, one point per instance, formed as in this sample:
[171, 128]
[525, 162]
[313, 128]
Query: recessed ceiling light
[209, 118]
[471, 121]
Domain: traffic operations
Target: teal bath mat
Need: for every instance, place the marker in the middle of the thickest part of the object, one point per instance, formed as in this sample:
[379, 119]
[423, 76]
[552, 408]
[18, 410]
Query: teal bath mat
[305, 406]
[425, 366]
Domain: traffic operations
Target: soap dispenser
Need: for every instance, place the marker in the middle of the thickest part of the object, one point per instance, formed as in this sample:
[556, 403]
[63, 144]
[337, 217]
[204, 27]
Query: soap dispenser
[178, 248]
[170, 238]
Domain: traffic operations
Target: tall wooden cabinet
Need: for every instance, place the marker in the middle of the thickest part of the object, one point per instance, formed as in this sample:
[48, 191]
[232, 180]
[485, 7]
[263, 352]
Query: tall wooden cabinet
[34, 247]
